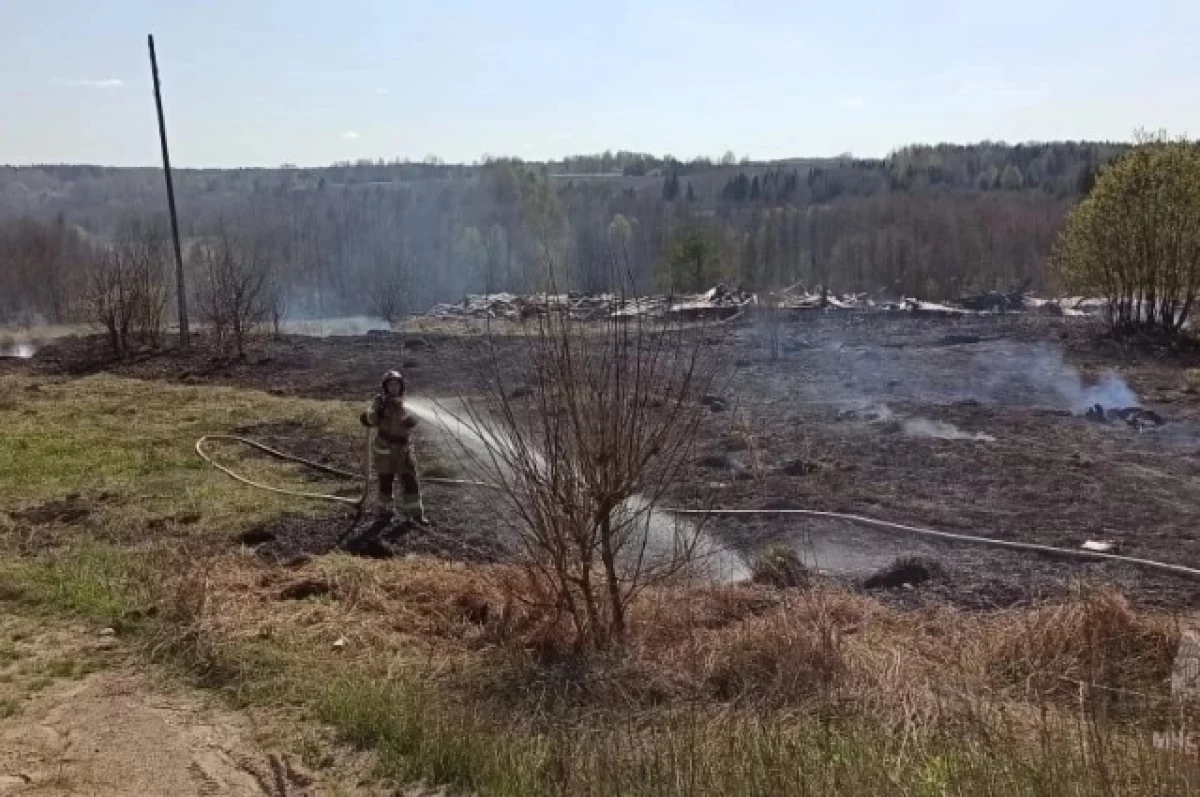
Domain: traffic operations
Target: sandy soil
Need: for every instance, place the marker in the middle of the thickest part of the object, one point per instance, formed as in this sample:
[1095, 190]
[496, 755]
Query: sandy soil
[79, 719]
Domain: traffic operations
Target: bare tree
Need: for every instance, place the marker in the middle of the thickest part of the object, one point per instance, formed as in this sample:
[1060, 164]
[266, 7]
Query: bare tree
[110, 288]
[387, 295]
[276, 303]
[42, 269]
[144, 243]
[127, 292]
[608, 423]
[234, 296]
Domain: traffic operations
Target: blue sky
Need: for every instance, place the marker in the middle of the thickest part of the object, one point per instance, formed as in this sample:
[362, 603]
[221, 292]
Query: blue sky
[252, 82]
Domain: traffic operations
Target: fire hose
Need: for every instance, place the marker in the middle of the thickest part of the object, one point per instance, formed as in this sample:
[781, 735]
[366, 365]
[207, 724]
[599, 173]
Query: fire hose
[308, 463]
[1012, 545]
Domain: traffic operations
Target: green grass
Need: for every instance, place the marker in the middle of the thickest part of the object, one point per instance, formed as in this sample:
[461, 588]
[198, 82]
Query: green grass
[716, 752]
[135, 440]
[92, 580]
[70, 667]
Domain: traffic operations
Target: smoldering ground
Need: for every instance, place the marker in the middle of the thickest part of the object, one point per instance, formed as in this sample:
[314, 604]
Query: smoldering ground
[974, 425]
[996, 372]
[1050, 476]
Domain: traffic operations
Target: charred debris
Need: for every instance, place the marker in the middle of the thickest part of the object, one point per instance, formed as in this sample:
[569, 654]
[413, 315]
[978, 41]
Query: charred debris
[722, 302]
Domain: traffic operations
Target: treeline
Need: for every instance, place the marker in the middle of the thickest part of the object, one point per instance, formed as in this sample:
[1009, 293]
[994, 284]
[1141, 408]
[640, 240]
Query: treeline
[397, 236]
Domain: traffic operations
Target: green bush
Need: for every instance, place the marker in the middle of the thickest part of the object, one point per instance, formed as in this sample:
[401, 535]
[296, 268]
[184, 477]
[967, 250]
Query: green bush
[1135, 239]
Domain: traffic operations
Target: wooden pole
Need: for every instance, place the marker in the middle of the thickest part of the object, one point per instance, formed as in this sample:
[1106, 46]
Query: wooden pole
[181, 287]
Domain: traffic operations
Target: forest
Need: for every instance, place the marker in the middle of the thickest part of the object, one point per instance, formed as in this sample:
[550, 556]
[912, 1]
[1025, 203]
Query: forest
[392, 237]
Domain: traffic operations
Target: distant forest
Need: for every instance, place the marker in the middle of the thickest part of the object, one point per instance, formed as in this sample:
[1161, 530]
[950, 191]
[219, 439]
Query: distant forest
[929, 221]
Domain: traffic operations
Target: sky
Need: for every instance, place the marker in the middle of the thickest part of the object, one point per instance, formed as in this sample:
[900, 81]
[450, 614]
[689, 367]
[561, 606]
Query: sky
[310, 82]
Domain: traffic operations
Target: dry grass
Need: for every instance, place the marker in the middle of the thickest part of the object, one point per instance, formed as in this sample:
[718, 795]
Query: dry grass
[736, 644]
[1095, 639]
[779, 566]
[730, 686]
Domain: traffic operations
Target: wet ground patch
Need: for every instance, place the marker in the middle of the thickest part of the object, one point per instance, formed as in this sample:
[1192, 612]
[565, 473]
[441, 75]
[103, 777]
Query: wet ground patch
[292, 537]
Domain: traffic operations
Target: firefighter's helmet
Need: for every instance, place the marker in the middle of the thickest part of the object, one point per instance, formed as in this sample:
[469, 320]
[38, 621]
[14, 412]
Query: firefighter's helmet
[392, 376]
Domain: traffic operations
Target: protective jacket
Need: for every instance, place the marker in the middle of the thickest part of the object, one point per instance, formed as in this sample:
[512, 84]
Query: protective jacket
[392, 453]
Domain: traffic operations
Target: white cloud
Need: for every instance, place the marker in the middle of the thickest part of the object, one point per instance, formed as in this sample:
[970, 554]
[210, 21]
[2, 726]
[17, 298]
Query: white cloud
[350, 135]
[381, 91]
[852, 102]
[109, 83]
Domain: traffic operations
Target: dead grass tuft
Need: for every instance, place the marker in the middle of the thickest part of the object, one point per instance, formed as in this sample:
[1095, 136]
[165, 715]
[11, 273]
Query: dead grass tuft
[790, 655]
[779, 566]
[1095, 638]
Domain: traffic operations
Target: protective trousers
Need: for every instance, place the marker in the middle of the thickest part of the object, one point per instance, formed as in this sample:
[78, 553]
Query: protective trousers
[392, 460]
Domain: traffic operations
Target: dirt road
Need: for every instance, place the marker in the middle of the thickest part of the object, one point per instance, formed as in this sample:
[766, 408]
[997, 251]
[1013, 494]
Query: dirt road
[80, 719]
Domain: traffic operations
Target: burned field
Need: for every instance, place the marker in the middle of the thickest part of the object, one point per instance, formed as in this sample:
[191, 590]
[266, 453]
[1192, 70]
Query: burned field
[983, 425]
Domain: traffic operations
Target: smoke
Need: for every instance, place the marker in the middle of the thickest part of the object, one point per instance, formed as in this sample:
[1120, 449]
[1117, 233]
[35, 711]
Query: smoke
[1043, 371]
[1110, 391]
[913, 427]
[921, 427]
[17, 345]
[990, 372]
[21, 349]
[326, 327]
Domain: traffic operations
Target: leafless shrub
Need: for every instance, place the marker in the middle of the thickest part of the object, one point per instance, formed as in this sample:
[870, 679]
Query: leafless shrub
[235, 299]
[387, 295]
[127, 292]
[606, 424]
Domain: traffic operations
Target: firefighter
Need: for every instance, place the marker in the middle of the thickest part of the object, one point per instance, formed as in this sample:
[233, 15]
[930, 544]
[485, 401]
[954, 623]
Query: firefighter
[392, 452]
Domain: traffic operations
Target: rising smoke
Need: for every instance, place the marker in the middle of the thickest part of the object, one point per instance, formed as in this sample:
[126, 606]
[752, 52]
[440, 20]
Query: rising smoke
[990, 372]
[1042, 370]
[997, 373]
[18, 345]
[326, 327]
[922, 427]
[17, 349]
[913, 427]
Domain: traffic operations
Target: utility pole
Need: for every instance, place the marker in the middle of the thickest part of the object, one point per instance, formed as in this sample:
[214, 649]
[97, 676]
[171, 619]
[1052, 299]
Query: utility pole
[180, 286]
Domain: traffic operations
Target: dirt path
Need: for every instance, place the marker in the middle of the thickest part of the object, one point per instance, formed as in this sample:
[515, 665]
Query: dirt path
[78, 719]
[110, 733]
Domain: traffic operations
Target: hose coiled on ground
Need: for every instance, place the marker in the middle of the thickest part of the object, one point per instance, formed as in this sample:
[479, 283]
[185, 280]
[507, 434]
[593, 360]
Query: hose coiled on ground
[308, 463]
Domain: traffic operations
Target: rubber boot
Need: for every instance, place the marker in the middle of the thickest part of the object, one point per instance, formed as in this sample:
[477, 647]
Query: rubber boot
[410, 502]
[383, 500]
